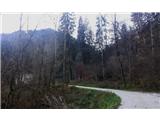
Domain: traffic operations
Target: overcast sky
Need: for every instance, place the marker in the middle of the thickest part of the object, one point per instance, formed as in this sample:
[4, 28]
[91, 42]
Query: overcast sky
[10, 22]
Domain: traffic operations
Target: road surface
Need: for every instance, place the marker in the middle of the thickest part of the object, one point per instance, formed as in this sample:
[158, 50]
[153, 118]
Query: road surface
[130, 99]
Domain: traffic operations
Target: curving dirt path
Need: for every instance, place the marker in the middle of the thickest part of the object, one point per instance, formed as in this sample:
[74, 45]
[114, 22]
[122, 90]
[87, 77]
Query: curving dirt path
[132, 99]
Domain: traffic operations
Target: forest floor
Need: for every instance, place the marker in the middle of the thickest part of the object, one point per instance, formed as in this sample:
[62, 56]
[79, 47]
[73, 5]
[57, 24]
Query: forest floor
[132, 99]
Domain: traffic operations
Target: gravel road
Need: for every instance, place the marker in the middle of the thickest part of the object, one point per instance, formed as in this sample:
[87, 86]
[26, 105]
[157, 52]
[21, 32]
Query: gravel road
[132, 99]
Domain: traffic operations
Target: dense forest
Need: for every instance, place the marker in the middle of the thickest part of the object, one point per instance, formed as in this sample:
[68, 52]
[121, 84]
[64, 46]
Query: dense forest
[116, 55]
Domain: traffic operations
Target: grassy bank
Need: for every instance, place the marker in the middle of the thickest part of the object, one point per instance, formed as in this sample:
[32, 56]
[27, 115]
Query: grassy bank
[83, 98]
[59, 97]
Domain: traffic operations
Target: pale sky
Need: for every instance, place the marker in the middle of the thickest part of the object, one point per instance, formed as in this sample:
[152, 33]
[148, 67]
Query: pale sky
[10, 22]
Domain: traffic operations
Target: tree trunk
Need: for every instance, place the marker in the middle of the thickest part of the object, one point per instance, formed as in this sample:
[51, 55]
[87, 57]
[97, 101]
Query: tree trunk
[152, 49]
[102, 65]
[118, 52]
[64, 59]
[54, 66]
